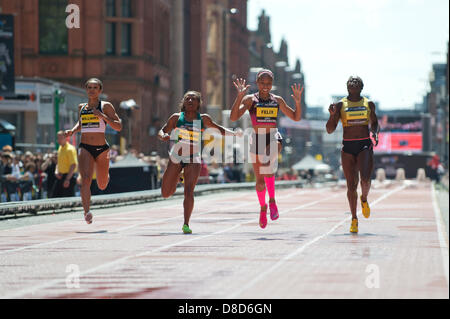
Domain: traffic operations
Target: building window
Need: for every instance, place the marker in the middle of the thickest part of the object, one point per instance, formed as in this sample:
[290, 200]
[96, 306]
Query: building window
[110, 38]
[127, 9]
[126, 39]
[110, 8]
[119, 27]
[53, 33]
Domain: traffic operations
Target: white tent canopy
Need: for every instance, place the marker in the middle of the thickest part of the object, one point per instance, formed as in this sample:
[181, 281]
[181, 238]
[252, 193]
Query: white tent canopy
[309, 162]
[322, 168]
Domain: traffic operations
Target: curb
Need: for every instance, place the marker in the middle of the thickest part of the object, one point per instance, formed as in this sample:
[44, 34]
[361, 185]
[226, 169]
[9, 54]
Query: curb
[58, 205]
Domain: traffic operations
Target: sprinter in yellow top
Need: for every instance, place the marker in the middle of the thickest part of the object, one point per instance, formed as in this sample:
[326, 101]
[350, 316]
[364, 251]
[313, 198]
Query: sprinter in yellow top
[358, 118]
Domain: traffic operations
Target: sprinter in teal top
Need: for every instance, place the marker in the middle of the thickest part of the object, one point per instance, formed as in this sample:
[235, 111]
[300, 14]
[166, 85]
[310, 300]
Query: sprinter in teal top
[188, 133]
[184, 131]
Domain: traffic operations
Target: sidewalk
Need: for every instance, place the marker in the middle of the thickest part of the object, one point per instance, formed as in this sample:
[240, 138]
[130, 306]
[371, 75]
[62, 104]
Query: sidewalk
[444, 180]
[443, 200]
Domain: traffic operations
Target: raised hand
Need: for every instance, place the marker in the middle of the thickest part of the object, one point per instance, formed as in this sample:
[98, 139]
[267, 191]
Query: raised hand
[297, 90]
[241, 87]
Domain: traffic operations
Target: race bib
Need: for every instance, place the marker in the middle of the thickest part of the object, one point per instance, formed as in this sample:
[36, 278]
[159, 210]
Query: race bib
[271, 112]
[356, 113]
[188, 135]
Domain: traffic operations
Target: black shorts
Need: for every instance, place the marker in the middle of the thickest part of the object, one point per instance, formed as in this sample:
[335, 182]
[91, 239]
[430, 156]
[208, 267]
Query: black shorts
[356, 147]
[95, 151]
[259, 142]
[60, 191]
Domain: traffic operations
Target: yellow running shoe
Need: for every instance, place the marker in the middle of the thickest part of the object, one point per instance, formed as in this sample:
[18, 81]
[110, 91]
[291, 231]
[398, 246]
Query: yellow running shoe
[365, 208]
[354, 226]
[182, 177]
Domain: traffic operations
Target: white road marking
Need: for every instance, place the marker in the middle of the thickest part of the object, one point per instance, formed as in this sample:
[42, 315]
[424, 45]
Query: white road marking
[302, 248]
[137, 224]
[32, 290]
[441, 232]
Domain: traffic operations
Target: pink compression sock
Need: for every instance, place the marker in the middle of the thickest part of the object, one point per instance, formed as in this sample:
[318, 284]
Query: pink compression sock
[262, 197]
[270, 185]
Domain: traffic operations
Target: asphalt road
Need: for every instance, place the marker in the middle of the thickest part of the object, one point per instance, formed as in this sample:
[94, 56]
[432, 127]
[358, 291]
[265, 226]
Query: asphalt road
[139, 251]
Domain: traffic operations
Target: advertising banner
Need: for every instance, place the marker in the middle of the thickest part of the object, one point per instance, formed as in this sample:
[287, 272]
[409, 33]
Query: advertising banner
[7, 86]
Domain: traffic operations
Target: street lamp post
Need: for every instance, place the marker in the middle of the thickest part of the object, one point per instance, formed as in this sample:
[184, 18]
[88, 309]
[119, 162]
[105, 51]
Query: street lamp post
[129, 106]
[58, 98]
[227, 12]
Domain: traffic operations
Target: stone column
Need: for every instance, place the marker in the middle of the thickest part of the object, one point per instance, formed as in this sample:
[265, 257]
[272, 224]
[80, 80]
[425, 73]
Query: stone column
[176, 56]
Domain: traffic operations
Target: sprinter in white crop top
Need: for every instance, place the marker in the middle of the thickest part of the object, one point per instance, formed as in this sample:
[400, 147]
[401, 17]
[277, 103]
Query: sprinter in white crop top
[93, 151]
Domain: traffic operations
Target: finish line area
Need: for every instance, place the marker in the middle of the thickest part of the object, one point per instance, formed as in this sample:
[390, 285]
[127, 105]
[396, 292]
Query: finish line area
[139, 251]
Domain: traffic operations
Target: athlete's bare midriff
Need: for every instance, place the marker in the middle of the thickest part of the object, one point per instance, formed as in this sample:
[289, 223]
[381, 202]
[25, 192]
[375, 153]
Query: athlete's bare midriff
[263, 128]
[94, 139]
[356, 132]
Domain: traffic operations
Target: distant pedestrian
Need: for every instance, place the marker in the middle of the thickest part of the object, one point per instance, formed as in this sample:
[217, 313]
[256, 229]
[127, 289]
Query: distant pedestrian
[436, 168]
[66, 168]
[48, 167]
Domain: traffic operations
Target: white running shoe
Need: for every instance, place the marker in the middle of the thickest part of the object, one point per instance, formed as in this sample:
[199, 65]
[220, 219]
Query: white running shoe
[88, 217]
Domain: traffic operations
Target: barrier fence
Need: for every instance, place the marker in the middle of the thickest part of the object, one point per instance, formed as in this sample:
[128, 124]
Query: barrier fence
[55, 205]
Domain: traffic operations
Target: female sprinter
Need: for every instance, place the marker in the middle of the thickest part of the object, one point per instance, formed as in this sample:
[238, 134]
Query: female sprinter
[266, 141]
[93, 149]
[356, 113]
[184, 129]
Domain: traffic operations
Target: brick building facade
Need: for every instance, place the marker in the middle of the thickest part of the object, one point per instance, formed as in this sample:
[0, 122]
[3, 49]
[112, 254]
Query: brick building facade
[125, 43]
[151, 51]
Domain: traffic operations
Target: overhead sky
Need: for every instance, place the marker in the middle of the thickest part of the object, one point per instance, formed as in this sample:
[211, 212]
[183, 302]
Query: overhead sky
[390, 44]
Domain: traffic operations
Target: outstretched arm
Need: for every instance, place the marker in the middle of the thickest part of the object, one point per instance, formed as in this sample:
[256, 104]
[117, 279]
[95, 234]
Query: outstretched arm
[296, 114]
[207, 120]
[242, 103]
[335, 111]
[77, 127]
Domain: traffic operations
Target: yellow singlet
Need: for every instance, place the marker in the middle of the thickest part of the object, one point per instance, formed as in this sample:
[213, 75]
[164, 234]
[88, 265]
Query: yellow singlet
[355, 113]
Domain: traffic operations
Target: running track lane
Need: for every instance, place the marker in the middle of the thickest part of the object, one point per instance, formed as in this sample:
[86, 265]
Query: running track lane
[308, 253]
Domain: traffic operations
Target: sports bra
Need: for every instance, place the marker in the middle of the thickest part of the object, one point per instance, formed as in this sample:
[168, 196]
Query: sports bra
[90, 123]
[189, 131]
[355, 113]
[264, 112]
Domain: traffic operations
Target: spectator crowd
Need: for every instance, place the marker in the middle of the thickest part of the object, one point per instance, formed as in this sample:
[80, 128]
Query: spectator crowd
[29, 176]
[26, 176]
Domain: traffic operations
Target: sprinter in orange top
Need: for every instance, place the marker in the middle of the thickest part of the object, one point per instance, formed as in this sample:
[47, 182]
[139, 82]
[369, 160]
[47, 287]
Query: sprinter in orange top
[357, 114]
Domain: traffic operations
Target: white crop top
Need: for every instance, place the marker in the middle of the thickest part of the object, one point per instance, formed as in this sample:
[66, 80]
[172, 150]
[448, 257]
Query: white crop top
[90, 123]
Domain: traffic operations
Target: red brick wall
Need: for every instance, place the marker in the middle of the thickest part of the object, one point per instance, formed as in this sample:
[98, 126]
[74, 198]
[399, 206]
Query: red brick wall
[124, 77]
